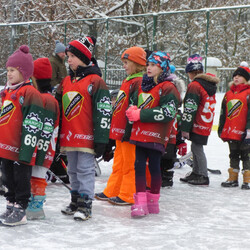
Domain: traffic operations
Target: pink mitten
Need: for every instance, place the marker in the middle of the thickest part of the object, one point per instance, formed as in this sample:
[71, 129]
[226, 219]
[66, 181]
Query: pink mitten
[133, 113]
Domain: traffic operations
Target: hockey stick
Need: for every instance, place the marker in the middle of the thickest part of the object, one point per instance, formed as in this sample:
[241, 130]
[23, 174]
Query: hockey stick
[188, 158]
[60, 180]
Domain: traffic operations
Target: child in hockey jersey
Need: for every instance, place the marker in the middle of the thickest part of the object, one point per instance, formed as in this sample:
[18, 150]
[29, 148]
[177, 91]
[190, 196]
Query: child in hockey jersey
[86, 111]
[198, 115]
[121, 184]
[153, 117]
[21, 122]
[234, 126]
[45, 154]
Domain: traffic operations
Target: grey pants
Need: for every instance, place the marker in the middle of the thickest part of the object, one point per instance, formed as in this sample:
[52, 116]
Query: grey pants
[199, 159]
[81, 171]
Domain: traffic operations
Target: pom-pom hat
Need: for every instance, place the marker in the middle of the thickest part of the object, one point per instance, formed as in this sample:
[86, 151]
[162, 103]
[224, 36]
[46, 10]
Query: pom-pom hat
[194, 63]
[242, 71]
[60, 47]
[42, 68]
[22, 60]
[82, 48]
[135, 54]
[161, 59]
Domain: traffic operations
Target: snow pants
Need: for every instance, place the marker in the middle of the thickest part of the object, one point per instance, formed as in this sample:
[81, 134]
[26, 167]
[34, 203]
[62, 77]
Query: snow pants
[121, 182]
[239, 151]
[16, 177]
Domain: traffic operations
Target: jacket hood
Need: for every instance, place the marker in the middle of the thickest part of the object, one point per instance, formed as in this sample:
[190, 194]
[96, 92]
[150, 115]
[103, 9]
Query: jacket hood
[208, 82]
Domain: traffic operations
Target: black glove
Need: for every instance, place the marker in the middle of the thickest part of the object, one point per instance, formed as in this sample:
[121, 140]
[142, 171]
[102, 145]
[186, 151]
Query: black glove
[99, 149]
[247, 136]
[108, 155]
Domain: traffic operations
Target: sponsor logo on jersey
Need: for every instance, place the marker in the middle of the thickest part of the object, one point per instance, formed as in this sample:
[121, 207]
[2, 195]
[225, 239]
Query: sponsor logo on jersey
[48, 128]
[145, 101]
[72, 104]
[120, 100]
[104, 106]
[190, 106]
[8, 109]
[234, 107]
[33, 123]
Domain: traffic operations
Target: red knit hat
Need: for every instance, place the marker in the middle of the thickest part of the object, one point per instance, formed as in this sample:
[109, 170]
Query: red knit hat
[242, 71]
[22, 60]
[135, 54]
[82, 48]
[42, 68]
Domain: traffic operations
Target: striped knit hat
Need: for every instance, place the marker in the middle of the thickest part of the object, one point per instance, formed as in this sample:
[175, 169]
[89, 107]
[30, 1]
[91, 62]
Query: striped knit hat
[82, 48]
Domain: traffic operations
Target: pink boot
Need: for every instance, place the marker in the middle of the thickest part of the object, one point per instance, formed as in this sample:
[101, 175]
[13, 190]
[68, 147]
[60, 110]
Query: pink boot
[140, 207]
[153, 203]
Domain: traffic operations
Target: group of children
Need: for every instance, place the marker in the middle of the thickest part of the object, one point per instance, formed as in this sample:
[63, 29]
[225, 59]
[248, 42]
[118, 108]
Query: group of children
[143, 124]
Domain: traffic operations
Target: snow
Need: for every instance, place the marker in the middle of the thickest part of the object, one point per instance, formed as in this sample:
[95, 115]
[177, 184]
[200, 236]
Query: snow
[213, 62]
[190, 218]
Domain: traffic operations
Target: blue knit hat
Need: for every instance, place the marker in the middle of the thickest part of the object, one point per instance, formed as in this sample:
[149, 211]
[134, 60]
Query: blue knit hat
[161, 59]
[59, 47]
[194, 63]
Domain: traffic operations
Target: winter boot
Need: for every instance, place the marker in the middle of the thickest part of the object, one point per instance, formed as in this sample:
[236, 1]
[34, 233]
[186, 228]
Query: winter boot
[246, 180]
[9, 209]
[34, 210]
[72, 207]
[153, 203]
[17, 217]
[189, 177]
[232, 181]
[199, 180]
[140, 207]
[167, 179]
[84, 208]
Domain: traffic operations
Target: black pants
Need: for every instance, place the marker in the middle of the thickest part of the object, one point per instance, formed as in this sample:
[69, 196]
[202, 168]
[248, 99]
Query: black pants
[16, 177]
[154, 161]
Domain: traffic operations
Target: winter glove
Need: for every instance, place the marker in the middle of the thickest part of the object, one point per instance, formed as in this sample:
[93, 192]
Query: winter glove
[108, 155]
[247, 137]
[133, 113]
[182, 149]
[99, 149]
[185, 135]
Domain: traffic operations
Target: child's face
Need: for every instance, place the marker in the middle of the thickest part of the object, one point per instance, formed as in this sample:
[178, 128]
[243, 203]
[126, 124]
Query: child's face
[129, 66]
[74, 61]
[153, 70]
[191, 75]
[14, 75]
[239, 79]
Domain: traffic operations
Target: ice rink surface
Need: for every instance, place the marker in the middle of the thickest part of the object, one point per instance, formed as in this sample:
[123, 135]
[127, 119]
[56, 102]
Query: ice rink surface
[190, 218]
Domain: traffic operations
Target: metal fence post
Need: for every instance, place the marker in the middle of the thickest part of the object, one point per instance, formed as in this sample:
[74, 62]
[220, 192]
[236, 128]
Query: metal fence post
[106, 49]
[206, 42]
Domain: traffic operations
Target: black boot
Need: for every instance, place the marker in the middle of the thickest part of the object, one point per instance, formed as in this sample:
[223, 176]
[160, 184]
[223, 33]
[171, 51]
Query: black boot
[84, 208]
[190, 176]
[72, 207]
[230, 184]
[199, 180]
[167, 179]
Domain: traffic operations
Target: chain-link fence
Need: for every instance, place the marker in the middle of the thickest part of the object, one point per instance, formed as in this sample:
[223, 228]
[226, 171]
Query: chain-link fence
[222, 33]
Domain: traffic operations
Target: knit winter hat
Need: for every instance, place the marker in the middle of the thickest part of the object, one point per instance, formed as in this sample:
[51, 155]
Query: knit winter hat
[161, 59]
[42, 68]
[242, 71]
[135, 54]
[194, 63]
[22, 60]
[82, 48]
[59, 47]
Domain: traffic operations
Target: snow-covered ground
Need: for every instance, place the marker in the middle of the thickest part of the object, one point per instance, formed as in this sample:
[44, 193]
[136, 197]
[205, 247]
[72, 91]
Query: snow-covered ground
[190, 218]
